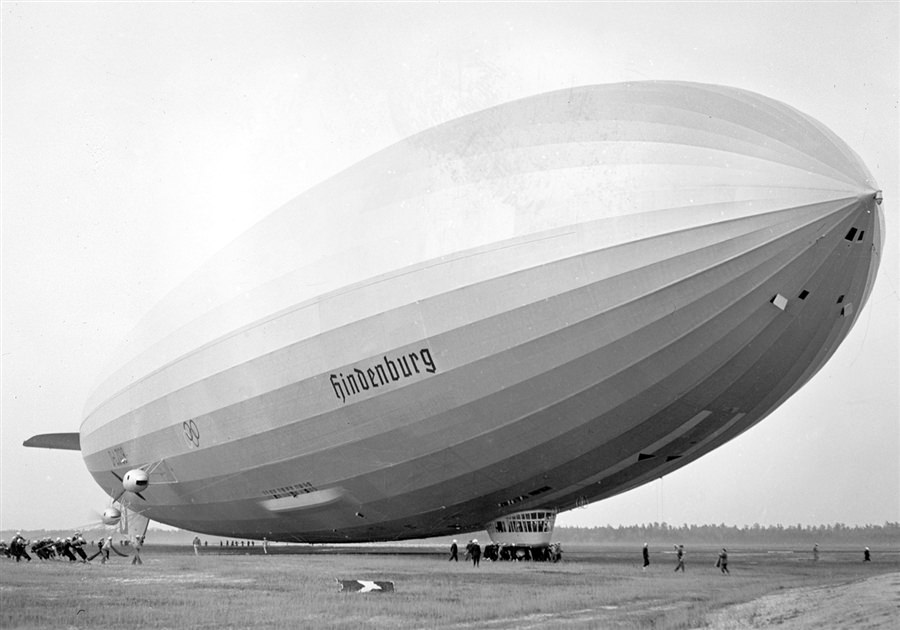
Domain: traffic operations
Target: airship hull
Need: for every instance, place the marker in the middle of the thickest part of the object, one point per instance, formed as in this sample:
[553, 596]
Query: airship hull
[533, 307]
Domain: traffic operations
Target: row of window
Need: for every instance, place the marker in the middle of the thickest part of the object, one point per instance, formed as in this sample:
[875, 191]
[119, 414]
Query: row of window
[529, 516]
[530, 527]
[526, 522]
[290, 491]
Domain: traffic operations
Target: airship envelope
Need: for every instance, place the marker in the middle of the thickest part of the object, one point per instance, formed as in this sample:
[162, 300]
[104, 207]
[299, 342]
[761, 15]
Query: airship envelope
[526, 309]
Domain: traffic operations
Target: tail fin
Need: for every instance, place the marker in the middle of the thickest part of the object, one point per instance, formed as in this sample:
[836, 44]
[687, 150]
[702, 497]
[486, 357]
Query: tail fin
[61, 441]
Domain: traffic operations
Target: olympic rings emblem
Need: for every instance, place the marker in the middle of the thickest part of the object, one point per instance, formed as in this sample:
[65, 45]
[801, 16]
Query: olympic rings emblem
[191, 433]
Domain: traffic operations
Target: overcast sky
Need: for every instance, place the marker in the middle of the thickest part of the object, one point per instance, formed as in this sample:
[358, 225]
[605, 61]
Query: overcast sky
[138, 139]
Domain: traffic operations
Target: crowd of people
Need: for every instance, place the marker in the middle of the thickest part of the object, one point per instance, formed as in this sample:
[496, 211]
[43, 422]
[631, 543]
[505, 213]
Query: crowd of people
[553, 553]
[73, 548]
[502, 551]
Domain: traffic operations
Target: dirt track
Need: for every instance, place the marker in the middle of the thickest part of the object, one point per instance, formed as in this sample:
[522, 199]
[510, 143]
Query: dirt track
[870, 603]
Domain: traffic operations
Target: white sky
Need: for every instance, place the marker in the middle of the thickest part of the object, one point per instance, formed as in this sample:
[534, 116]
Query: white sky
[137, 139]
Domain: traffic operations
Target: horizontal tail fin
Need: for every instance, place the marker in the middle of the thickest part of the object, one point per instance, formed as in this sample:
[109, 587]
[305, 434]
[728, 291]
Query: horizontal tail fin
[61, 441]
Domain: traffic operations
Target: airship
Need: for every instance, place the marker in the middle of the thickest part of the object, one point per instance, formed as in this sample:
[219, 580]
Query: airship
[509, 315]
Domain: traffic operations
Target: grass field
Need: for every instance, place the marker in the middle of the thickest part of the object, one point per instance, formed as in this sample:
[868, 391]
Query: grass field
[297, 588]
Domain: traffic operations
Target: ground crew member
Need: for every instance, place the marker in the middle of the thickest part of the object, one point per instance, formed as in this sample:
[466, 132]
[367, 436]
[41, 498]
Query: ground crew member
[65, 547]
[44, 549]
[679, 556]
[722, 562]
[454, 552]
[17, 547]
[104, 552]
[476, 552]
[138, 543]
[646, 554]
[77, 545]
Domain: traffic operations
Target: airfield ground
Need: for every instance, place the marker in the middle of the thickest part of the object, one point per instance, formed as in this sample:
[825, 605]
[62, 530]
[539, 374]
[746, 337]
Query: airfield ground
[296, 587]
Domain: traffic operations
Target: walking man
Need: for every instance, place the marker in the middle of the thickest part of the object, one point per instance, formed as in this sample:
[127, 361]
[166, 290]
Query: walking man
[454, 552]
[722, 562]
[679, 556]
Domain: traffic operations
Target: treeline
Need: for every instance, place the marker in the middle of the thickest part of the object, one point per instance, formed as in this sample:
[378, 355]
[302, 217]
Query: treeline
[836, 533]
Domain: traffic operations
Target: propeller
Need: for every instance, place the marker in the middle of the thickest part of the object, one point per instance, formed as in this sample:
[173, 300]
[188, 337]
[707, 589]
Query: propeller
[106, 521]
[135, 481]
[111, 516]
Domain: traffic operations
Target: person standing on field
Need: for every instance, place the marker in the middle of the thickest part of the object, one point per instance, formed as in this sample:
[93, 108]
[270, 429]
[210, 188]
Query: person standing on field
[476, 552]
[722, 562]
[454, 552]
[679, 556]
[138, 543]
[646, 554]
[196, 545]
